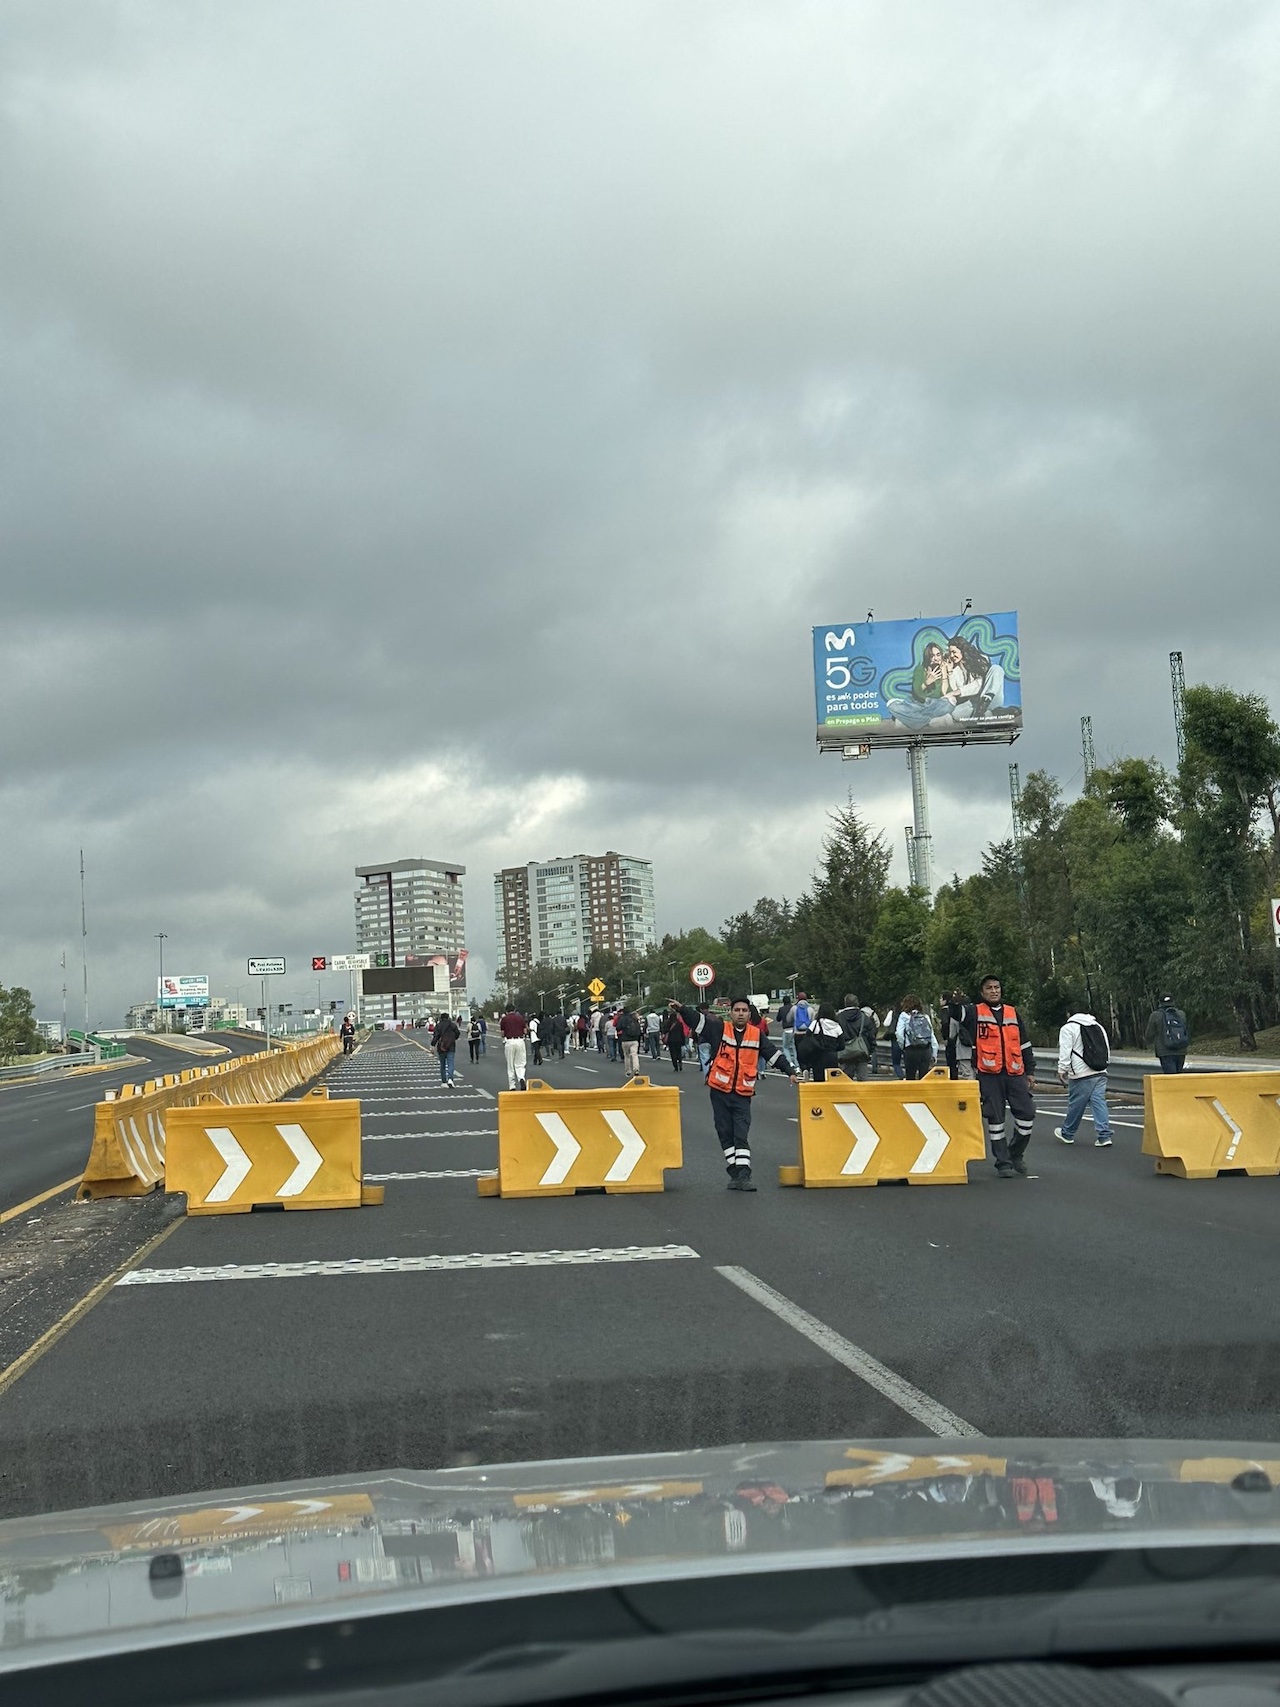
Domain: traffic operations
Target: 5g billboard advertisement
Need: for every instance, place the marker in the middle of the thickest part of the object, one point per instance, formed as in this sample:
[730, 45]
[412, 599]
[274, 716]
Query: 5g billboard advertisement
[941, 679]
[184, 991]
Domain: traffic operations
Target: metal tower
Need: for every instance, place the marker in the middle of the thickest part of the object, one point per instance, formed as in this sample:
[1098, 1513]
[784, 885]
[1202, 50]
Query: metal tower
[1086, 747]
[1179, 702]
[919, 840]
[1015, 802]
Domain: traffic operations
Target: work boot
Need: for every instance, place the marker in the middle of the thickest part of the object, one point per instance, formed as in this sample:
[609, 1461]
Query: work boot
[742, 1181]
[1005, 1170]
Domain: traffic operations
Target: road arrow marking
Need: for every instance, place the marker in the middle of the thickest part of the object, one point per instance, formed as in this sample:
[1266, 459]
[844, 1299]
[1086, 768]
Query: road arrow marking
[239, 1513]
[632, 1143]
[308, 1508]
[567, 1146]
[237, 1163]
[308, 1159]
[866, 1138]
[935, 1136]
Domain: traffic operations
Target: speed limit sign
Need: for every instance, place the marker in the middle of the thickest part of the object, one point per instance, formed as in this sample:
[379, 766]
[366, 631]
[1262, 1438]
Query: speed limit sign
[703, 974]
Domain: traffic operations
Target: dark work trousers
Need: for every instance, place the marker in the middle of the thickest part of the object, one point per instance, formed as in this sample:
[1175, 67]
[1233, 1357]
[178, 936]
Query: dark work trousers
[732, 1115]
[1001, 1091]
[1171, 1063]
[473, 1045]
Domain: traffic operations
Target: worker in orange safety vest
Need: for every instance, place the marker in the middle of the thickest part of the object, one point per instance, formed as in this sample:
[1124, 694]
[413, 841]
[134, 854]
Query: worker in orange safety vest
[1005, 1066]
[738, 1051]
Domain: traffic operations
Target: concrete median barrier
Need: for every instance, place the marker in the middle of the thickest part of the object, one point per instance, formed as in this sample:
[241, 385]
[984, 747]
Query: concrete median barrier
[922, 1131]
[127, 1155]
[231, 1158]
[553, 1143]
[1200, 1125]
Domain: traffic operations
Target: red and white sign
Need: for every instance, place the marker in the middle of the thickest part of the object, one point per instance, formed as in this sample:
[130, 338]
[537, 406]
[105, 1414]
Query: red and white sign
[1275, 920]
[702, 974]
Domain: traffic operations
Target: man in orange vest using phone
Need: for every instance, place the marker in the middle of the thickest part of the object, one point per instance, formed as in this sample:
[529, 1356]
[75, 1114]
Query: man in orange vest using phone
[737, 1051]
[1005, 1063]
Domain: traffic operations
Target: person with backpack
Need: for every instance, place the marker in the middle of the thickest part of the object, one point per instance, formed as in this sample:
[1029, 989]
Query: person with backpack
[1169, 1035]
[348, 1034]
[1084, 1053]
[674, 1033]
[916, 1039]
[474, 1036]
[534, 1034]
[858, 1051]
[787, 1020]
[630, 1030]
[826, 1039]
[446, 1041]
[801, 1019]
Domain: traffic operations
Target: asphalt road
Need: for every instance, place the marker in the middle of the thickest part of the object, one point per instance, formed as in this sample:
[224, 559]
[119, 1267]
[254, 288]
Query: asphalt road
[46, 1126]
[1093, 1298]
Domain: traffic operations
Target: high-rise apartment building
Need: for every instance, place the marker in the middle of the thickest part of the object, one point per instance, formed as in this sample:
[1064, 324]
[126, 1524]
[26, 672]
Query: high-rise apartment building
[556, 912]
[409, 914]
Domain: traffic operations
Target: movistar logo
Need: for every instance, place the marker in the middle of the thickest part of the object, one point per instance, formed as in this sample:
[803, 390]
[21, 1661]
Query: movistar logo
[840, 642]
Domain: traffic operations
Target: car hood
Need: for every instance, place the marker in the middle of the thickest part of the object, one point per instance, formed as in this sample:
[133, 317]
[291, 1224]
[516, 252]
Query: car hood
[171, 1570]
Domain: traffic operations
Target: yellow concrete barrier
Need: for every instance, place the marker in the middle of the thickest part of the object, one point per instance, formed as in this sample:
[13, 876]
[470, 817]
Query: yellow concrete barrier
[1198, 1125]
[925, 1131]
[230, 1159]
[127, 1155]
[552, 1143]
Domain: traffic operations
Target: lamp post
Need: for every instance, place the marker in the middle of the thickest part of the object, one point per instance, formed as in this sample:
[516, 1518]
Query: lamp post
[671, 967]
[161, 938]
[751, 974]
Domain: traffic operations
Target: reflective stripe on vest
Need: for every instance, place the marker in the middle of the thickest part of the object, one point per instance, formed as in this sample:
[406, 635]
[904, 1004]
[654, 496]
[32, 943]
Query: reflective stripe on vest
[997, 1045]
[736, 1065]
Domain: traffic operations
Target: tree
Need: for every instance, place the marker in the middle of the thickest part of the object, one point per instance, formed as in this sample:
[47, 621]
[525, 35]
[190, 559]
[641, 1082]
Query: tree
[1228, 777]
[538, 990]
[897, 953]
[835, 919]
[18, 1034]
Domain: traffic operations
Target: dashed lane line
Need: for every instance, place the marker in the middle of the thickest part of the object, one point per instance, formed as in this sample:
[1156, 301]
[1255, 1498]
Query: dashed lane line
[406, 1265]
[441, 1173]
[935, 1417]
[456, 1132]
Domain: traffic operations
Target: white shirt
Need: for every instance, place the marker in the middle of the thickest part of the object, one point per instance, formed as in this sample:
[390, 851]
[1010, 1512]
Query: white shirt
[1071, 1062]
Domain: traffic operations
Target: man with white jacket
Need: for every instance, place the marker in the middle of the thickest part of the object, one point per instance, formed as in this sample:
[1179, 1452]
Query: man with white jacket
[1083, 1054]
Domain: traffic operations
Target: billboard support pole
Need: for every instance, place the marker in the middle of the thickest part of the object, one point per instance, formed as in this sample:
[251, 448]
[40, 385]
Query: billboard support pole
[921, 841]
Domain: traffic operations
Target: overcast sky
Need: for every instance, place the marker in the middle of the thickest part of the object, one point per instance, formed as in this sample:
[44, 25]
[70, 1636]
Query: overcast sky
[435, 429]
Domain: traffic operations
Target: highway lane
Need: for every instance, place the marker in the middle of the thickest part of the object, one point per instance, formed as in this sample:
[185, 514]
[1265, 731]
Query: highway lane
[1091, 1298]
[46, 1126]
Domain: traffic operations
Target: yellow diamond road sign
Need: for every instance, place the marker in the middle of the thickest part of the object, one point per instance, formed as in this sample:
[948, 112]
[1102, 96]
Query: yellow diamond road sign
[595, 988]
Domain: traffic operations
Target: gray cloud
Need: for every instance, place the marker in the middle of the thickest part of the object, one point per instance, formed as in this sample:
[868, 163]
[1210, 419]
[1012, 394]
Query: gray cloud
[437, 429]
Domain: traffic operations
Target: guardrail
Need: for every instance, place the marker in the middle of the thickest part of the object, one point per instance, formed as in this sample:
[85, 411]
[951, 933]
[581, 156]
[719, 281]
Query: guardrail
[52, 1064]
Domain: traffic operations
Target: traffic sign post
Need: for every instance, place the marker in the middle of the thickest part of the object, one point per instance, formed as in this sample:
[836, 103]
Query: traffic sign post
[266, 966]
[595, 989]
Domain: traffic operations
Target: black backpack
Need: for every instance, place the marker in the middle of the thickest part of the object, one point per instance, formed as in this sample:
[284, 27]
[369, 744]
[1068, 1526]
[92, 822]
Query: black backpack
[1093, 1048]
[627, 1027]
[1174, 1036]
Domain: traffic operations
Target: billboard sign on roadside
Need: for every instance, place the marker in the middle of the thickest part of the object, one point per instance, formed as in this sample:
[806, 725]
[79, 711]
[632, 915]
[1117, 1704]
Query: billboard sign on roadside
[185, 990]
[932, 679]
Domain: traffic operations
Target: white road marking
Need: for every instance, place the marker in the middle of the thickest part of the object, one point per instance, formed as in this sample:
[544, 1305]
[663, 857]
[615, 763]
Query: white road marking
[307, 1157]
[578, 1069]
[1236, 1133]
[632, 1145]
[406, 1265]
[456, 1132]
[236, 1159]
[442, 1173]
[935, 1417]
[567, 1146]
[398, 1113]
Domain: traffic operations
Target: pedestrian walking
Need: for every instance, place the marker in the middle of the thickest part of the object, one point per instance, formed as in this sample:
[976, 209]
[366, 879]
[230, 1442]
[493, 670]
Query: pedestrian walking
[582, 1029]
[560, 1033]
[611, 1036]
[787, 1024]
[484, 1035]
[534, 1034]
[825, 1037]
[1170, 1036]
[652, 1033]
[598, 1021]
[737, 1053]
[960, 1038]
[1084, 1052]
[916, 1038]
[446, 1041]
[347, 1032]
[474, 1039]
[1006, 1066]
[895, 1048]
[857, 1052]
[629, 1032]
[513, 1025]
[674, 1033]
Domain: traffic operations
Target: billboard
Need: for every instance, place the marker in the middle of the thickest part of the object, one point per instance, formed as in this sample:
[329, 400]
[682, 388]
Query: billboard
[933, 679]
[186, 990]
[450, 969]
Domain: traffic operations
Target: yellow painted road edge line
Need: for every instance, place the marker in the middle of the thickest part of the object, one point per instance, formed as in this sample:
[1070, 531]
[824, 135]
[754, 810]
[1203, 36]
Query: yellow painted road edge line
[19, 1367]
[21, 1208]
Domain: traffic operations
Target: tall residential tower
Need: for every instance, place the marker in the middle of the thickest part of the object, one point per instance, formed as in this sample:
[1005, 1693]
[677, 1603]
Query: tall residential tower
[409, 914]
[557, 911]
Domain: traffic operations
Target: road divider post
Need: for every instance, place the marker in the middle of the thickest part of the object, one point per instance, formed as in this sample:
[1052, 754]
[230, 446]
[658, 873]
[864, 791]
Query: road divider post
[553, 1143]
[1200, 1125]
[865, 1132]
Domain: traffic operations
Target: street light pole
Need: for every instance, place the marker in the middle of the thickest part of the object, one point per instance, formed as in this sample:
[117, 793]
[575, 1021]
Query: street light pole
[671, 967]
[161, 937]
